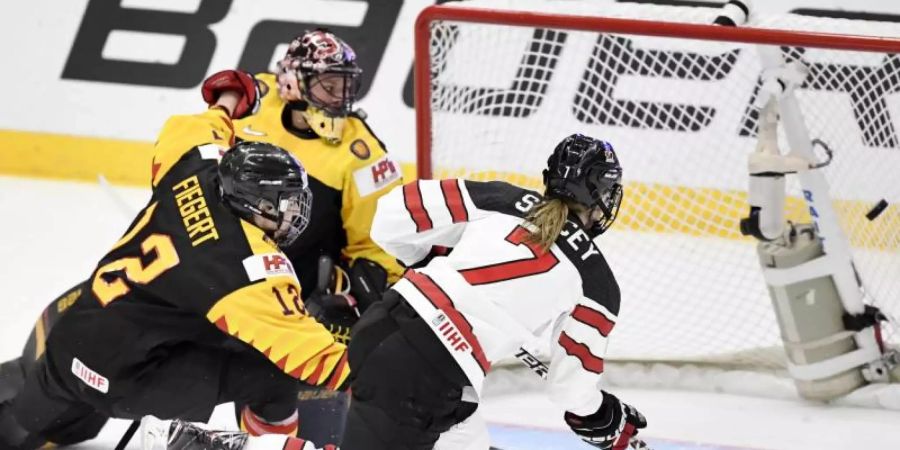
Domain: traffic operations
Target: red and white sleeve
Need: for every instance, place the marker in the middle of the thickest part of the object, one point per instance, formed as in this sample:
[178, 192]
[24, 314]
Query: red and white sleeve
[577, 356]
[414, 219]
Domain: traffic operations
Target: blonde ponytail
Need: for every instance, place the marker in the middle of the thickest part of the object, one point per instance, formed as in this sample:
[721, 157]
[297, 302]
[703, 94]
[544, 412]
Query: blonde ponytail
[547, 219]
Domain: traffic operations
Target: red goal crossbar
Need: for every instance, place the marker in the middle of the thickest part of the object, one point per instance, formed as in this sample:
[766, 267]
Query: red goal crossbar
[609, 25]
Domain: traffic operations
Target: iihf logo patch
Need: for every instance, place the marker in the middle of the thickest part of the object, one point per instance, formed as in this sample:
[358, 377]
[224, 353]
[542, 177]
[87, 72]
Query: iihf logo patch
[89, 377]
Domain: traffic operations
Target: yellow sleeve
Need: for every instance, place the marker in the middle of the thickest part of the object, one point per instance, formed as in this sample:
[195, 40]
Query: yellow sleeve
[182, 133]
[269, 315]
[358, 209]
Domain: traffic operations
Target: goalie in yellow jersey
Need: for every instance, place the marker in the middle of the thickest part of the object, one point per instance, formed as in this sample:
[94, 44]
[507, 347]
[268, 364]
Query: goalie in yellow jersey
[195, 305]
[307, 107]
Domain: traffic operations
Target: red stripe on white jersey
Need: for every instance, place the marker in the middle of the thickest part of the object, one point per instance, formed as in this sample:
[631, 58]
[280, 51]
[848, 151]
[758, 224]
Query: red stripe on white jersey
[454, 200]
[292, 443]
[590, 361]
[412, 198]
[594, 319]
[440, 300]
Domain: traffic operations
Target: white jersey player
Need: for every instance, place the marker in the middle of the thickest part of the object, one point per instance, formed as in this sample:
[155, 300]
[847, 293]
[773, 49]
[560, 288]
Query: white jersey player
[491, 267]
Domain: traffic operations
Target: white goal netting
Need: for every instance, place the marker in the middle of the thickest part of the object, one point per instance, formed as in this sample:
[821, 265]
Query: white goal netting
[681, 113]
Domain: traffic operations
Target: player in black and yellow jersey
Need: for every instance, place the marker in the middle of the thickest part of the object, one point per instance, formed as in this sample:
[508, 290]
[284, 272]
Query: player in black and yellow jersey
[195, 305]
[307, 109]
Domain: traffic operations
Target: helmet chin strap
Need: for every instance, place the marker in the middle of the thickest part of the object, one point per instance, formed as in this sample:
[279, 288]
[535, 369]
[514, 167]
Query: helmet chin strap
[298, 105]
[329, 129]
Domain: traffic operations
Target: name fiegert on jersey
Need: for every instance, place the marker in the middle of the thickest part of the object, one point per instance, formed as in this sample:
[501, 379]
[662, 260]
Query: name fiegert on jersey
[495, 291]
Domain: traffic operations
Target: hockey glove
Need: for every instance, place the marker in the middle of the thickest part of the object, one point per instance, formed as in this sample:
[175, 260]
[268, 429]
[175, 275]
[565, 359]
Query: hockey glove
[337, 312]
[611, 427]
[233, 80]
[368, 281]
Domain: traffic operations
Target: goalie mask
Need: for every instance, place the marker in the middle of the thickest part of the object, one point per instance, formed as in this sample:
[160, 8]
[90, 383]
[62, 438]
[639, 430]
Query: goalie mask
[586, 171]
[260, 179]
[320, 78]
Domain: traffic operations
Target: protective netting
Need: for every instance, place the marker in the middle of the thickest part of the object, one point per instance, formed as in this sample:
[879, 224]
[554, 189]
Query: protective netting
[682, 115]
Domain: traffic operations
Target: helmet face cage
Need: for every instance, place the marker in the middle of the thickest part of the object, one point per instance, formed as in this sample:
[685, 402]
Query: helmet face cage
[313, 58]
[586, 171]
[294, 212]
[332, 92]
[609, 204]
[260, 179]
[289, 210]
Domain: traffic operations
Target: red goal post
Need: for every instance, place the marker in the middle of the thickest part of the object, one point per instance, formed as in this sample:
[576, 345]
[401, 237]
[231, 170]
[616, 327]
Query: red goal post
[609, 25]
[692, 292]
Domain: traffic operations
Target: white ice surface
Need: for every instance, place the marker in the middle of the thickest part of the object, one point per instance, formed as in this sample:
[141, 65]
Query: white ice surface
[52, 234]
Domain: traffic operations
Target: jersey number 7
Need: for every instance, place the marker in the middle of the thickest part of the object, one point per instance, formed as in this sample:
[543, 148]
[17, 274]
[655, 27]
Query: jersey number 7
[541, 261]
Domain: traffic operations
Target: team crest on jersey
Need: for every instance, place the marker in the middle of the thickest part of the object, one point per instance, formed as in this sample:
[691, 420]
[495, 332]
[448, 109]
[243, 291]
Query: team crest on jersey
[360, 149]
[268, 265]
[374, 177]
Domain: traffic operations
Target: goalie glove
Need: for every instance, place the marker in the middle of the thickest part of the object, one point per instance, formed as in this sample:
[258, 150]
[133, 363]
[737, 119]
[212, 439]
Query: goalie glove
[238, 81]
[611, 427]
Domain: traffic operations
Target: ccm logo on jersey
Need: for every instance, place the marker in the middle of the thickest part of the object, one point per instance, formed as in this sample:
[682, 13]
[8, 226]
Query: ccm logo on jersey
[379, 174]
[267, 266]
[90, 378]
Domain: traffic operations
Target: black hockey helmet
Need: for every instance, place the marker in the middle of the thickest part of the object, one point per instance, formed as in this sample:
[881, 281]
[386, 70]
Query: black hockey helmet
[263, 179]
[586, 171]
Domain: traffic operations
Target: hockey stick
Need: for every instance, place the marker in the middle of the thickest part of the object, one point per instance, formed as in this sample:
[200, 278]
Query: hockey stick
[129, 433]
[121, 205]
[541, 370]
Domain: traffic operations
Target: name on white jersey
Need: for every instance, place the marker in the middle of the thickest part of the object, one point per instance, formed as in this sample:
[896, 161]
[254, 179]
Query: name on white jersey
[579, 241]
[374, 177]
[268, 265]
[527, 202]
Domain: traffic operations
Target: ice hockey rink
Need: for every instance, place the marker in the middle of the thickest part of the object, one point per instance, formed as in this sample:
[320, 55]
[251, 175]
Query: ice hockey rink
[54, 232]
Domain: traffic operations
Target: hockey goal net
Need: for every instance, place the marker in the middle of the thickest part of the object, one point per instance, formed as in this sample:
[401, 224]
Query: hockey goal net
[497, 89]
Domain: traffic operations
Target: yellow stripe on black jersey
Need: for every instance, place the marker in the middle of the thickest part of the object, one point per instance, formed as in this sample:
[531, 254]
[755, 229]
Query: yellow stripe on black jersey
[346, 180]
[188, 263]
[181, 134]
[280, 329]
